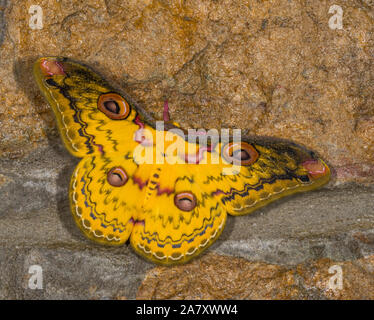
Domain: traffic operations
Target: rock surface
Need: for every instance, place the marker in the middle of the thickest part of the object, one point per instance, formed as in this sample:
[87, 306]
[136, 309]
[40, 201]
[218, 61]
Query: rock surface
[281, 251]
[218, 277]
[272, 68]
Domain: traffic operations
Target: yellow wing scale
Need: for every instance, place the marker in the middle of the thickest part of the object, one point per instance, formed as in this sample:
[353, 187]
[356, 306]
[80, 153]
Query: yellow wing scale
[169, 213]
[168, 235]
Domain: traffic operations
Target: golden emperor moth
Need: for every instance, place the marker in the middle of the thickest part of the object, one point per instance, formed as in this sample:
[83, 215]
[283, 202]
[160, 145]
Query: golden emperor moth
[170, 210]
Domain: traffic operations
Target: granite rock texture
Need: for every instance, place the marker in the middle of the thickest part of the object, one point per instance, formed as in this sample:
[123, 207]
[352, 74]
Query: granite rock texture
[219, 277]
[272, 68]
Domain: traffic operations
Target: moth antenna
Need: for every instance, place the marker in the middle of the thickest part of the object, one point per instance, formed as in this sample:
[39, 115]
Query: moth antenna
[166, 114]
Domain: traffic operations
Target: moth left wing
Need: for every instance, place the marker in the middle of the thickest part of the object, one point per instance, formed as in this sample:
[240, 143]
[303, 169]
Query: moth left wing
[92, 117]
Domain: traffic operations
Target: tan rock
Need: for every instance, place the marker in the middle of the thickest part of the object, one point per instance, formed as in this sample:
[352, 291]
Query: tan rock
[4, 180]
[221, 277]
[271, 68]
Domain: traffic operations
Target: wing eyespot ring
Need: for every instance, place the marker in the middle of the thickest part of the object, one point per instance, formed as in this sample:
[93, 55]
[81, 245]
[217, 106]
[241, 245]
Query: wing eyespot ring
[185, 201]
[239, 153]
[113, 106]
[117, 177]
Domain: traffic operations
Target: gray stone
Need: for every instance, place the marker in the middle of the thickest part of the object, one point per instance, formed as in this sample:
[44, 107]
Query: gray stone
[3, 5]
[36, 228]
